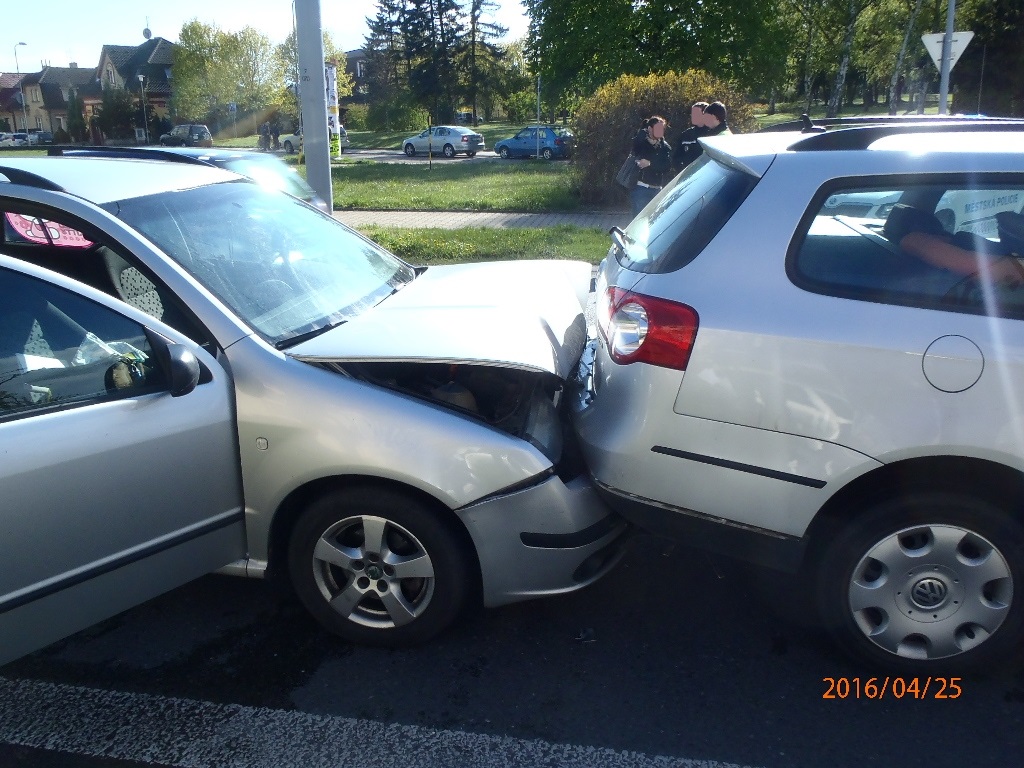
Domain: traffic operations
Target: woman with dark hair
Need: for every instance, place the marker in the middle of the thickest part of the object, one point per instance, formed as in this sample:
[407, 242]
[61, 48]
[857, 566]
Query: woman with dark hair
[654, 157]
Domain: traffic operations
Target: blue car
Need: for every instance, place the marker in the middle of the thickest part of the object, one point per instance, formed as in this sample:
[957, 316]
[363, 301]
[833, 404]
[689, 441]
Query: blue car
[554, 142]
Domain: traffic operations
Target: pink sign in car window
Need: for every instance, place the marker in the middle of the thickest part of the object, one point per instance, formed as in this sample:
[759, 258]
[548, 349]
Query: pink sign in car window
[32, 230]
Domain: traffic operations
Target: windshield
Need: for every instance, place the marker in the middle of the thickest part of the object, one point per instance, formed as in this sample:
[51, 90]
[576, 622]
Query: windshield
[271, 173]
[676, 226]
[288, 271]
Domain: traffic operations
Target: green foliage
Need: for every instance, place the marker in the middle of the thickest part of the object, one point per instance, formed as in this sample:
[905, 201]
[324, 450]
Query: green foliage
[989, 77]
[118, 114]
[398, 112]
[76, 117]
[357, 117]
[606, 122]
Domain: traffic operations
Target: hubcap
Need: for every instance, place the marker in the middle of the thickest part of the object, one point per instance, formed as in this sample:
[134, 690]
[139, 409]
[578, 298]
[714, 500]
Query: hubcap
[930, 592]
[373, 571]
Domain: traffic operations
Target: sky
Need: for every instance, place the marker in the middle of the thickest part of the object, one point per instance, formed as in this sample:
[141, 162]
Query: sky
[77, 30]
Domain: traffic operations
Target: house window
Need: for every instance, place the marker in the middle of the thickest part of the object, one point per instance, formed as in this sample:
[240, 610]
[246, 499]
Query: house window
[39, 123]
[35, 95]
[360, 69]
[110, 75]
[60, 123]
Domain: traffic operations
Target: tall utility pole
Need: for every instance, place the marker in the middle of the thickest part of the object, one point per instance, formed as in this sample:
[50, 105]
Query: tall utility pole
[309, 40]
[947, 41]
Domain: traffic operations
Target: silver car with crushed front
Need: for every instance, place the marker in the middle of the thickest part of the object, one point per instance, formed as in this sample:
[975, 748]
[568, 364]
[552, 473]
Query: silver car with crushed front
[197, 373]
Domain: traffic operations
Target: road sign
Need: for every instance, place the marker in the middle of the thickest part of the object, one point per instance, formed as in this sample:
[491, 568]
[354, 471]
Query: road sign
[956, 46]
[232, 107]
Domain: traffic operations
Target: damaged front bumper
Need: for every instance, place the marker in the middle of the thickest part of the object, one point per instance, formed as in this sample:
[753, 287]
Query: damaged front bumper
[548, 539]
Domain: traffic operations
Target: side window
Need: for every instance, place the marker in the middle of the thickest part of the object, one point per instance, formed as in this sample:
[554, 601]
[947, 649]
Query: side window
[59, 349]
[62, 247]
[943, 246]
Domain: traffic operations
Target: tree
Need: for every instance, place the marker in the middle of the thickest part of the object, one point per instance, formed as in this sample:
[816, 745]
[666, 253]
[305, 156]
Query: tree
[201, 79]
[76, 117]
[482, 54]
[989, 77]
[118, 113]
[285, 97]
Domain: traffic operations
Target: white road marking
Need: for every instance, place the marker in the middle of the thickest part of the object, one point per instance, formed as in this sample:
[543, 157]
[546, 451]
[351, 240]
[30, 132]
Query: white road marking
[200, 734]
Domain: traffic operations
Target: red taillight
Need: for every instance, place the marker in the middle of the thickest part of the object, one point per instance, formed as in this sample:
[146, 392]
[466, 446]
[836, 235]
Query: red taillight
[645, 329]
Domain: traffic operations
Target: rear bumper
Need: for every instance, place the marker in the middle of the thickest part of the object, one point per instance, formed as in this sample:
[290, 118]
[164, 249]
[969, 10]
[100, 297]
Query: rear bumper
[548, 539]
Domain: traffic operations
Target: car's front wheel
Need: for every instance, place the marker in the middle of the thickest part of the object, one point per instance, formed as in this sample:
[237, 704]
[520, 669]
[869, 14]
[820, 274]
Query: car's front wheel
[448, 151]
[925, 582]
[288, 148]
[378, 567]
[410, 150]
[505, 154]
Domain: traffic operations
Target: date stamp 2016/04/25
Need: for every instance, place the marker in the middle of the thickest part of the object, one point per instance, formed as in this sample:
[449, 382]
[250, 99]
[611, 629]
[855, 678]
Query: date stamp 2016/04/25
[892, 687]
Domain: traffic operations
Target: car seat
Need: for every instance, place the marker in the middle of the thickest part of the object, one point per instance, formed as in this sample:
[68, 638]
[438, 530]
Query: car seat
[904, 219]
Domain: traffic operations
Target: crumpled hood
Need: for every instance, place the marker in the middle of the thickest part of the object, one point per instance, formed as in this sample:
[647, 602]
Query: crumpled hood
[516, 314]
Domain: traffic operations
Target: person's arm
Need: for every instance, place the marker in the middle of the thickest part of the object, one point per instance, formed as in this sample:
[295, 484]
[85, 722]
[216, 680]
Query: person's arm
[944, 255]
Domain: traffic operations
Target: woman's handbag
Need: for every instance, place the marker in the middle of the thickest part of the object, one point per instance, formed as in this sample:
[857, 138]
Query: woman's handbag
[628, 173]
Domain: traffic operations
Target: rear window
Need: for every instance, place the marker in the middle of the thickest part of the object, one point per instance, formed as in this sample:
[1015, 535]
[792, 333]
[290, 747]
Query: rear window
[671, 231]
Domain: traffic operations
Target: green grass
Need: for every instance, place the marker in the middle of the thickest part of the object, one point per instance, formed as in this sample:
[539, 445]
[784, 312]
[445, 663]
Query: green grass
[460, 246]
[530, 186]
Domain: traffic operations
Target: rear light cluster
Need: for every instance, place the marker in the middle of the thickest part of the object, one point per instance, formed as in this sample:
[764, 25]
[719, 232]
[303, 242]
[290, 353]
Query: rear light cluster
[645, 329]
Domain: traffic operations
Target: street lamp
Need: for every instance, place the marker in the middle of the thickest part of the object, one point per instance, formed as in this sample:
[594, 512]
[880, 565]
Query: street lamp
[145, 115]
[21, 85]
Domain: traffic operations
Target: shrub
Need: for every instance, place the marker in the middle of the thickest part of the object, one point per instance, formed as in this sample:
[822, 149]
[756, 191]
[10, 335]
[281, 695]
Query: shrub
[606, 122]
[396, 114]
[357, 117]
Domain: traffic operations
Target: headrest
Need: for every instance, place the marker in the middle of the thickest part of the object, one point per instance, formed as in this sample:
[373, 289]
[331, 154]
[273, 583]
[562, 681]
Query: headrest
[1011, 231]
[904, 219]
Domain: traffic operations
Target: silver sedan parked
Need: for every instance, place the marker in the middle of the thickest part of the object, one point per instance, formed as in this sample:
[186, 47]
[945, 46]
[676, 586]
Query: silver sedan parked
[199, 373]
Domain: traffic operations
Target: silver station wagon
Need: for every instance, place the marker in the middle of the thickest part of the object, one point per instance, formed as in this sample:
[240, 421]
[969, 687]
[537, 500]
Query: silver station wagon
[811, 356]
[198, 373]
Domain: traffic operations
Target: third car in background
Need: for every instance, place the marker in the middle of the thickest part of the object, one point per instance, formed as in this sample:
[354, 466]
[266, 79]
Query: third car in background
[544, 141]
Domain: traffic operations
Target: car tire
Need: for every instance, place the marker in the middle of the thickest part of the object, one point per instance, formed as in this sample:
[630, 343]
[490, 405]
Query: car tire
[471, 154]
[410, 150]
[505, 154]
[352, 582]
[288, 148]
[448, 151]
[925, 582]
[546, 153]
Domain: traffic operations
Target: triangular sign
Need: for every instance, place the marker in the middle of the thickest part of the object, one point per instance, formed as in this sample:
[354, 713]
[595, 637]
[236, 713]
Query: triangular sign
[934, 45]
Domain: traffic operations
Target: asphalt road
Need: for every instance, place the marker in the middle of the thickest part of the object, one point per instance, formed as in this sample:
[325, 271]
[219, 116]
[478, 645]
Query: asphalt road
[675, 659]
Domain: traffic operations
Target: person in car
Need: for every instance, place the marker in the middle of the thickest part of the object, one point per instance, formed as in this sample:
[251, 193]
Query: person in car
[654, 156]
[922, 235]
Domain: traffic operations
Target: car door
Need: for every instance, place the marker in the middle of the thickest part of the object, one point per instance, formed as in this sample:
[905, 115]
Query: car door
[120, 468]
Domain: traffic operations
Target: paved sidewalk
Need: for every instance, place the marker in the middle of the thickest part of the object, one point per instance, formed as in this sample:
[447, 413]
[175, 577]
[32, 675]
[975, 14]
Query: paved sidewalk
[459, 219]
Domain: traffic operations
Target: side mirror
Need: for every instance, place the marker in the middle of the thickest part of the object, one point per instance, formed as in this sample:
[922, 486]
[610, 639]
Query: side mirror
[183, 368]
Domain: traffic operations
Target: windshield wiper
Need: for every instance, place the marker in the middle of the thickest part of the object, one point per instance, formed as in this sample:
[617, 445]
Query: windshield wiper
[291, 341]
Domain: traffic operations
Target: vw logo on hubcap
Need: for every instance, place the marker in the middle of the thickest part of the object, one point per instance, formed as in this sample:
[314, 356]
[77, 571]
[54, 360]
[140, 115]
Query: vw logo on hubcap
[929, 593]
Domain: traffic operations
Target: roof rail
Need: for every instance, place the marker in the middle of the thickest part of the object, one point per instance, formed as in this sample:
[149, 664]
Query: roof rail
[861, 137]
[806, 125]
[28, 179]
[140, 153]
